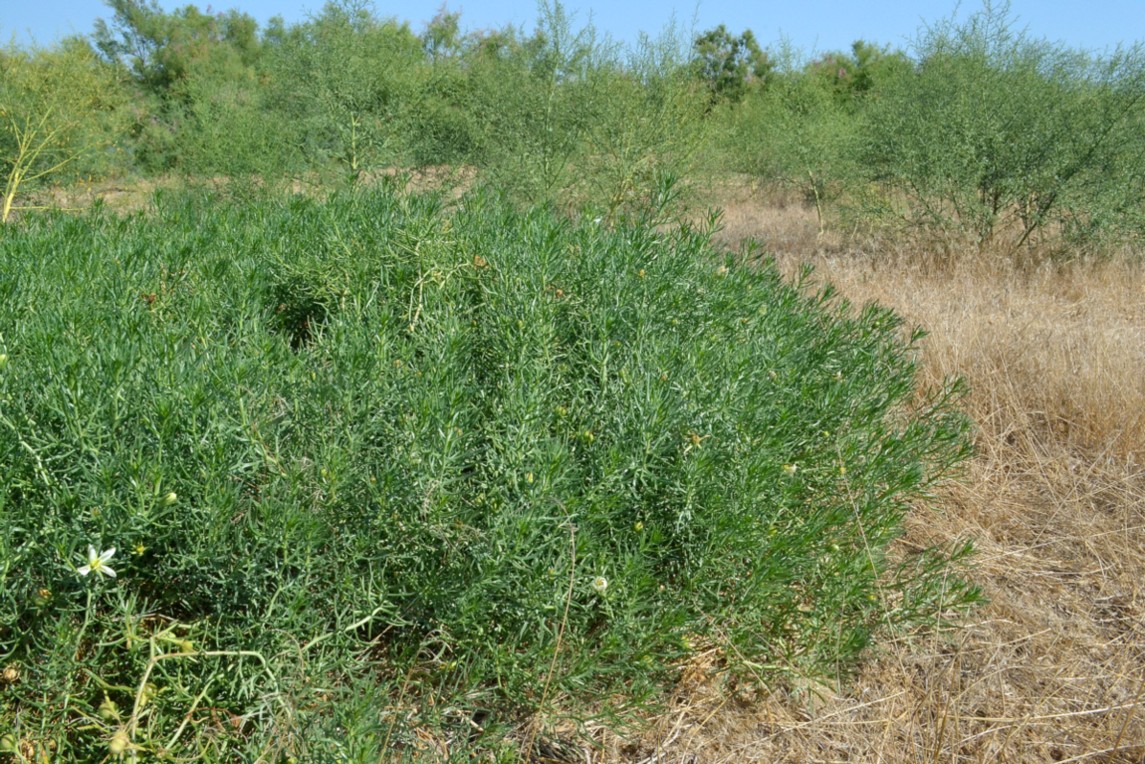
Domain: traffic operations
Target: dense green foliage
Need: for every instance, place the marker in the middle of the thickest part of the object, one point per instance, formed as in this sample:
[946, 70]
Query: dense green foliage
[58, 109]
[977, 135]
[369, 447]
[729, 65]
[999, 139]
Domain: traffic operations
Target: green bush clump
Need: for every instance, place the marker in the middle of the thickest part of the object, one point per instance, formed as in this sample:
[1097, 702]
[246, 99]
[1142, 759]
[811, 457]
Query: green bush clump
[1003, 141]
[361, 451]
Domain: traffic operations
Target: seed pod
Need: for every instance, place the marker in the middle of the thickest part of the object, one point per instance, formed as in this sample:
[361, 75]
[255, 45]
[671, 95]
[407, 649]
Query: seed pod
[119, 743]
[108, 710]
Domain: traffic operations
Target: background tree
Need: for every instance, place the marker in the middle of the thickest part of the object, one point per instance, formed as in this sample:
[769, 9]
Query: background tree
[442, 36]
[442, 128]
[345, 80]
[797, 133]
[866, 68]
[647, 131]
[59, 108]
[197, 77]
[729, 64]
[163, 49]
[534, 98]
[994, 137]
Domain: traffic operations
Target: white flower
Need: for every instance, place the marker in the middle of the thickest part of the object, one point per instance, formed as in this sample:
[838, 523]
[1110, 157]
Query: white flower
[97, 563]
[600, 583]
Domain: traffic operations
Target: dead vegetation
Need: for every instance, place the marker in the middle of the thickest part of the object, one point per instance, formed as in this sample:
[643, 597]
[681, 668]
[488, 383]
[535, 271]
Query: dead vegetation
[1052, 669]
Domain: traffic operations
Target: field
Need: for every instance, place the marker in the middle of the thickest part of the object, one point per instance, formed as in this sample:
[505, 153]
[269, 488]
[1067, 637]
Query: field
[373, 394]
[1049, 667]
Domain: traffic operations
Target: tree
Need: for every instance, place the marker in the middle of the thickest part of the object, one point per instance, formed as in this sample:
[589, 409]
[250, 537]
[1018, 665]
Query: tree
[995, 136]
[798, 133]
[345, 77]
[535, 97]
[196, 73]
[729, 65]
[851, 76]
[162, 50]
[57, 106]
[442, 37]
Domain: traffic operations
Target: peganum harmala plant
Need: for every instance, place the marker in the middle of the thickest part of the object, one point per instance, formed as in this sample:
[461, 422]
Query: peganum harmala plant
[373, 466]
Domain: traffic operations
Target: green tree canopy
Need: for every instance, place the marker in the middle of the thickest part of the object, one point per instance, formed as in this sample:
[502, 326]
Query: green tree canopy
[995, 134]
[729, 64]
[345, 78]
[58, 107]
[163, 50]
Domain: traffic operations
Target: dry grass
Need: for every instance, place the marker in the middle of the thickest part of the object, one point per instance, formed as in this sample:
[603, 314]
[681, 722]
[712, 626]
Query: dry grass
[127, 195]
[1053, 667]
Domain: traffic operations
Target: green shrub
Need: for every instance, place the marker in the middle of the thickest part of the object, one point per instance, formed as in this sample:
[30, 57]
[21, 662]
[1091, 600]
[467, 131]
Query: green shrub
[797, 132]
[341, 82]
[646, 127]
[1001, 140]
[533, 98]
[571, 119]
[363, 454]
[729, 66]
[60, 113]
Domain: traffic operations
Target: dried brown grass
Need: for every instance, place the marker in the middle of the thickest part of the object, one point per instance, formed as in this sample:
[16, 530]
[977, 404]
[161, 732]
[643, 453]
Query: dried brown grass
[1053, 667]
[127, 195]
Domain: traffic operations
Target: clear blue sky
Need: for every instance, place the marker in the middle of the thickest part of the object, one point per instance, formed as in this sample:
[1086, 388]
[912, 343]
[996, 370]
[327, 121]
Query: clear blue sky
[812, 26]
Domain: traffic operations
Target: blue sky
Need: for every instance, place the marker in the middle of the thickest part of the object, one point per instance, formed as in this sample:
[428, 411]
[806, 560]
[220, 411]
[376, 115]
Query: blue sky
[812, 26]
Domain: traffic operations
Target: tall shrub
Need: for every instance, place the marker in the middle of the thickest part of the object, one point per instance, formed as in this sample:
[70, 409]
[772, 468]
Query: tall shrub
[61, 109]
[197, 88]
[996, 138]
[796, 131]
[342, 81]
[534, 97]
